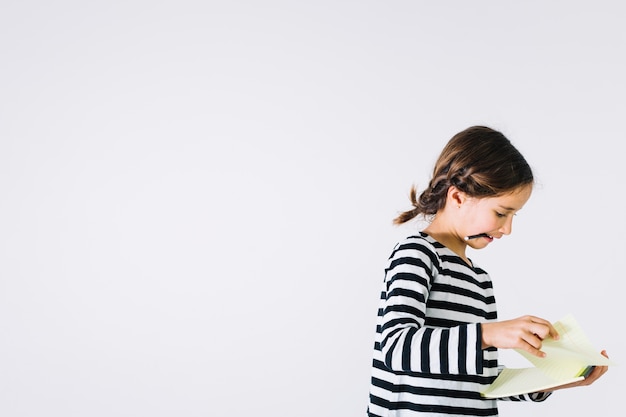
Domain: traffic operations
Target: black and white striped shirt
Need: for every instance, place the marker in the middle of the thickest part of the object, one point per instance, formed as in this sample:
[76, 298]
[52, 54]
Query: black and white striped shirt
[428, 359]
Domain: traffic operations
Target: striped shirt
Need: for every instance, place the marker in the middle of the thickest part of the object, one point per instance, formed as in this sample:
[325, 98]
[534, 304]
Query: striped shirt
[428, 358]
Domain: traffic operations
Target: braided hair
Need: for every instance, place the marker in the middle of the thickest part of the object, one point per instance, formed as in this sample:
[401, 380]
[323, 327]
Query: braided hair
[480, 162]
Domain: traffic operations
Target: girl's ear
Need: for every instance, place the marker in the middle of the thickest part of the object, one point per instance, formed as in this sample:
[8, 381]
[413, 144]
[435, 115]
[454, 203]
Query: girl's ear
[456, 197]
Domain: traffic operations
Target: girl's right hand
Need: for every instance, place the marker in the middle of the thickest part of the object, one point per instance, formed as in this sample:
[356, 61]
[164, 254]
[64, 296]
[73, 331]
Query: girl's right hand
[525, 333]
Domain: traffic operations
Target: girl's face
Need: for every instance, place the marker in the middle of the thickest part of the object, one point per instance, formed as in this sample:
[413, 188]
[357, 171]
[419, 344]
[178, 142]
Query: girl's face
[492, 216]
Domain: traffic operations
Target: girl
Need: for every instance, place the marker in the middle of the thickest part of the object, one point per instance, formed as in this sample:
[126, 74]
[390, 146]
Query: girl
[437, 334]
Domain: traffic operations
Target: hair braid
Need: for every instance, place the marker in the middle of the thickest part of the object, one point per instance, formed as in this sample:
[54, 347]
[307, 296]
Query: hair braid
[480, 162]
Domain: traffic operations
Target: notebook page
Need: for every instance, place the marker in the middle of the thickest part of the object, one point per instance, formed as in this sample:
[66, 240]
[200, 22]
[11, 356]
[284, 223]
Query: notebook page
[513, 381]
[569, 355]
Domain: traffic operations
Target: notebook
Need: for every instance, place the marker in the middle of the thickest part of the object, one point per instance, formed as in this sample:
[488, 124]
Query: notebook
[568, 359]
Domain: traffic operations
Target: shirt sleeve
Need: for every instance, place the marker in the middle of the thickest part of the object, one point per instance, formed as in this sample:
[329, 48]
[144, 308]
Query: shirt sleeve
[534, 397]
[407, 344]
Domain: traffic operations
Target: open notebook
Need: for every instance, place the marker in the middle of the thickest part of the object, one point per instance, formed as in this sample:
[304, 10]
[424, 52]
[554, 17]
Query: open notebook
[567, 360]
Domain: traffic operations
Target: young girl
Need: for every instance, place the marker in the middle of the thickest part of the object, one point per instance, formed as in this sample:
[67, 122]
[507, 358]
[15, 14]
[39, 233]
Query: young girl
[437, 332]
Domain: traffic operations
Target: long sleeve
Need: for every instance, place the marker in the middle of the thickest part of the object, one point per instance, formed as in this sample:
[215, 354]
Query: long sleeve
[427, 352]
[408, 344]
[534, 397]
[428, 355]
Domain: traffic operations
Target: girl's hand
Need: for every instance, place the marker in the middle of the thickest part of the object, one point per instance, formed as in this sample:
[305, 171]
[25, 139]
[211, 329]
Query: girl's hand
[525, 333]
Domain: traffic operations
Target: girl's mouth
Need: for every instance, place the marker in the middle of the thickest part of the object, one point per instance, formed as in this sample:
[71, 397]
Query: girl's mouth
[478, 235]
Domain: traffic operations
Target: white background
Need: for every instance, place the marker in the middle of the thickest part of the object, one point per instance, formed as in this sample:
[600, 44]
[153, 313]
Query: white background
[196, 197]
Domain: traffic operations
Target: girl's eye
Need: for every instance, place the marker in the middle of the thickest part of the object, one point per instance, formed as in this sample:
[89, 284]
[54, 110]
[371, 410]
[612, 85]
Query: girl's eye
[500, 214]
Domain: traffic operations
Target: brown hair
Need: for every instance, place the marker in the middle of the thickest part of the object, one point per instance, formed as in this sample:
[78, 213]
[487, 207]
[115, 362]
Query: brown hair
[480, 162]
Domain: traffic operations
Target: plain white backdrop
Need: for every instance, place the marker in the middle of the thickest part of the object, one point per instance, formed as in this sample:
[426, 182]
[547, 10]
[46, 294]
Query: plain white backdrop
[196, 197]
